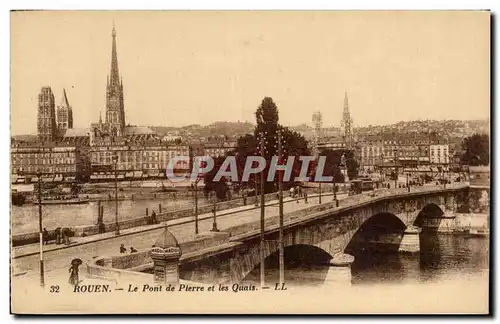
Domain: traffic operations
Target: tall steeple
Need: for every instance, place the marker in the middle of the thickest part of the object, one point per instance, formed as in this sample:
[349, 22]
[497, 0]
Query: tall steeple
[346, 104]
[64, 114]
[114, 75]
[346, 124]
[115, 112]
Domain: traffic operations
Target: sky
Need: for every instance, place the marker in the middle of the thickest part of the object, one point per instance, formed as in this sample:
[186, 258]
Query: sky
[180, 68]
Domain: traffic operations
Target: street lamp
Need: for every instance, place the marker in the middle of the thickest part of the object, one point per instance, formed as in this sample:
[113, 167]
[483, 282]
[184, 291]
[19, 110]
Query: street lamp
[281, 252]
[195, 187]
[214, 225]
[320, 192]
[40, 226]
[115, 162]
[395, 169]
[255, 182]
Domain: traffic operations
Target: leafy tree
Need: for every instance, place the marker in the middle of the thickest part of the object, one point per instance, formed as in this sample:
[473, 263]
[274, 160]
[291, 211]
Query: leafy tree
[293, 144]
[352, 165]
[332, 164]
[476, 150]
[220, 188]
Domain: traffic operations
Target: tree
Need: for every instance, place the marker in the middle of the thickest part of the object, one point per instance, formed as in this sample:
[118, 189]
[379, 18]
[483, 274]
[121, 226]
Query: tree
[476, 150]
[293, 144]
[220, 188]
[352, 165]
[332, 164]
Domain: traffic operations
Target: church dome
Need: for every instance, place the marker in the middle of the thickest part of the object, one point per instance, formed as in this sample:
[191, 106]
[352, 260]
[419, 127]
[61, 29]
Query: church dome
[166, 240]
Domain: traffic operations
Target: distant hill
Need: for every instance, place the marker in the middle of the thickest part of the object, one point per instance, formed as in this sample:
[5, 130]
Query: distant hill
[222, 128]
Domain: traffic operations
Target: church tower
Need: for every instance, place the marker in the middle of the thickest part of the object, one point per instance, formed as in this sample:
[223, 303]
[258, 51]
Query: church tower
[47, 129]
[115, 112]
[64, 115]
[346, 125]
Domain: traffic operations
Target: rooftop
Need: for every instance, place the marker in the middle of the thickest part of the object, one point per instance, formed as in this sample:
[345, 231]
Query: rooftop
[77, 132]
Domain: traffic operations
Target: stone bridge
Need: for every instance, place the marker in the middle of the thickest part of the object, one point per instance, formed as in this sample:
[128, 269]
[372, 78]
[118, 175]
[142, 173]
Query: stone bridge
[382, 220]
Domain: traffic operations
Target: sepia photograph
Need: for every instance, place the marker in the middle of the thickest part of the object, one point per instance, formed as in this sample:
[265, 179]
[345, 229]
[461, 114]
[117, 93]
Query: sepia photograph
[250, 162]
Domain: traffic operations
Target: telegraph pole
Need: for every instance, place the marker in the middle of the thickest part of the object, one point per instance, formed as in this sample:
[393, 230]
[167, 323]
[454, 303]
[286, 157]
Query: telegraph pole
[40, 226]
[262, 212]
[281, 243]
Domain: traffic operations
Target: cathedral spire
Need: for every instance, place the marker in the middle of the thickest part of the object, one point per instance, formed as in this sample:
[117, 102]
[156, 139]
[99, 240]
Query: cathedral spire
[346, 104]
[346, 124]
[114, 75]
[115, 112]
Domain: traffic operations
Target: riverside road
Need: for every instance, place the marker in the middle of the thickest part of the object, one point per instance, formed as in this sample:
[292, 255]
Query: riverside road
[25, 261]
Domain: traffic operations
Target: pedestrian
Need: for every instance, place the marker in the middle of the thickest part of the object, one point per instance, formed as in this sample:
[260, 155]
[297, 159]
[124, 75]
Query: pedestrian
[153, 218]
[45, 236]
[65, 234]
[58, 235]
[123, 249]
[73, 270]
[132, 250]
[292, 192]
[305, 197]
[102, 228]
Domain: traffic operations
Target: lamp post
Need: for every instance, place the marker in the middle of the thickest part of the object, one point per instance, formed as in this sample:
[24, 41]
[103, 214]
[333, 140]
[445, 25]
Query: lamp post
[115, 161]
[214, 224]
[320, 192]
[335, 192]
[40, 227]
[195, 187]
[255, 183]
[396, 168]
[382, 174]
[262, 214]
[281, 243]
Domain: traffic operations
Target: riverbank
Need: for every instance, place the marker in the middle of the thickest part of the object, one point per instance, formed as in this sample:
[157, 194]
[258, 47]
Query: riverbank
[472, 224]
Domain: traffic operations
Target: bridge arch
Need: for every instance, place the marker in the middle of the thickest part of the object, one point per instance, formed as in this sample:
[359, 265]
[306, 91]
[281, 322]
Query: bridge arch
[243, 262]
[295, 256]
[382, 231]
[430, 216]
[390, 223]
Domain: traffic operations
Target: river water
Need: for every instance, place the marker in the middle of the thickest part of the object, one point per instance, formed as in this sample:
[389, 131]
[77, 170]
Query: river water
[25, 218]
[443, 258]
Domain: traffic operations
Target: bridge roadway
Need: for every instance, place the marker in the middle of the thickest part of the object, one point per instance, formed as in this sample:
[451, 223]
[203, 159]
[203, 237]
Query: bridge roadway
[25, 260]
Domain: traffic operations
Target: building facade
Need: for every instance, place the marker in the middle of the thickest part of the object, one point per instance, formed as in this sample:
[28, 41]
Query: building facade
[215, 150]
[46, 125]
[55, 161]
[439, 154]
